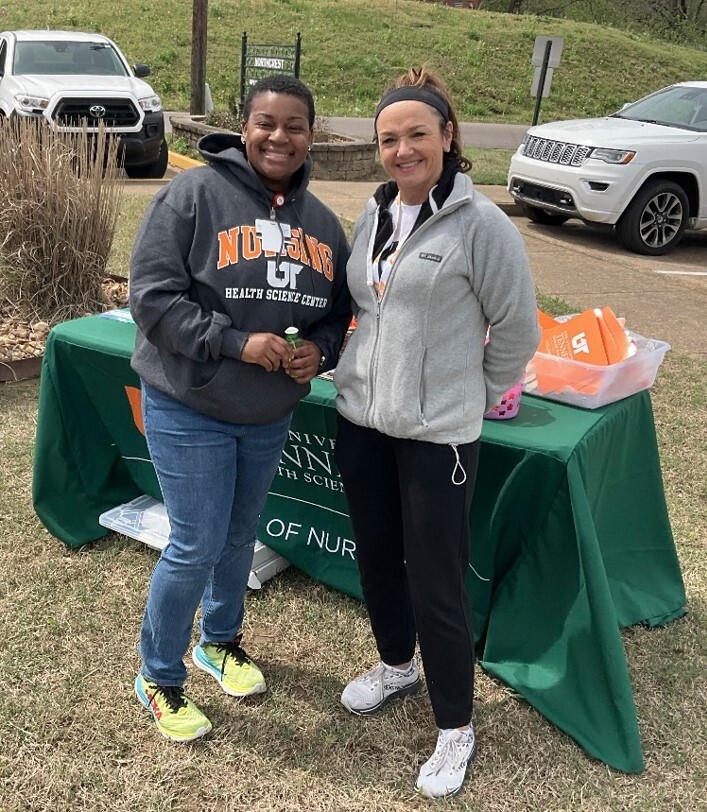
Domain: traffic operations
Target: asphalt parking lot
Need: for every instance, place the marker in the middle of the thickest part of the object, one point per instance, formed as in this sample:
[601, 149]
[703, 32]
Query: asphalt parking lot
[688, 261]
[660, 297]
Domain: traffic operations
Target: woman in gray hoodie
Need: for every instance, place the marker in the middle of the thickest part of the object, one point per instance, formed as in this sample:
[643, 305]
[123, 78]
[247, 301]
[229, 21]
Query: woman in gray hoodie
[434, 264]
[229, 256]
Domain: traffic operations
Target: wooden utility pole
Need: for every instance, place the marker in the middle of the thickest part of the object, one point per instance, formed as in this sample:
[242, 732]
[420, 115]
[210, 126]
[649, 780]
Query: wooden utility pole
[198, 57]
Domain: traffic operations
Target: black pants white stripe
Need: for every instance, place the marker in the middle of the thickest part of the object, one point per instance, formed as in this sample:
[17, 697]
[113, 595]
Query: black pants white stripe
[411, 524]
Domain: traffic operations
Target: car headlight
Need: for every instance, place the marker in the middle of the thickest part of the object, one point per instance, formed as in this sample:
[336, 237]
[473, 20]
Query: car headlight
[30, 104]
[613, 156]
[151, 104]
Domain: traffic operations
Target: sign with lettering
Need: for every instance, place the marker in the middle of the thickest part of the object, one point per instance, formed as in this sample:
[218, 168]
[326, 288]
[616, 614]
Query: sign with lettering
[261, 59]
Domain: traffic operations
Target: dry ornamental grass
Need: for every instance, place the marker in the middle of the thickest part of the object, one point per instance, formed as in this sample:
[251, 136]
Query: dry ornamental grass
[59, 203]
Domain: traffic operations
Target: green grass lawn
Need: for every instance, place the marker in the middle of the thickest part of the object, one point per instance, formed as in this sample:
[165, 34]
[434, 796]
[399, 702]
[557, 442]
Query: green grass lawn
[351, 48]
[74, 737]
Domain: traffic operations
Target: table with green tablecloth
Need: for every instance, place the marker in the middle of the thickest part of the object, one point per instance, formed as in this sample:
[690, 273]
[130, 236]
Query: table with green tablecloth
[570, 534]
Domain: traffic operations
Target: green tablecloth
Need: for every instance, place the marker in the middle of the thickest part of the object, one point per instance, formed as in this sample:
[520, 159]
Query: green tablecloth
[570, 533]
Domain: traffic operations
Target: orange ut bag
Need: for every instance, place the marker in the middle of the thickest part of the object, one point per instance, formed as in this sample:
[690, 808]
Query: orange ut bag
[594, 338]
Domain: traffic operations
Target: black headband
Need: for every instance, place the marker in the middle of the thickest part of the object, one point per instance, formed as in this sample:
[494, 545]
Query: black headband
[413, 93]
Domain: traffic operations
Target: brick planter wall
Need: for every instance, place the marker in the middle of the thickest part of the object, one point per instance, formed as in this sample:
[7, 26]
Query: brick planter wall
[343, 159]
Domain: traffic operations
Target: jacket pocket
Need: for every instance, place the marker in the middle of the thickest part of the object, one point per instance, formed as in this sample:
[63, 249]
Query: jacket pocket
[206, 375]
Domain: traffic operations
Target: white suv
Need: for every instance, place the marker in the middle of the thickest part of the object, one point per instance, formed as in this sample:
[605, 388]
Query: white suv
[642, 169]
[74, 79]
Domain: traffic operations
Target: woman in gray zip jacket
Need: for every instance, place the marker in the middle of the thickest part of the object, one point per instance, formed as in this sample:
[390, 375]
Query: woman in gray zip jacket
[434, 265]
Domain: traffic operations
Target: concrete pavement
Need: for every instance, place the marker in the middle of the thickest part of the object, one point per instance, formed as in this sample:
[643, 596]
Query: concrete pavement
[660, 297]
[490, 135]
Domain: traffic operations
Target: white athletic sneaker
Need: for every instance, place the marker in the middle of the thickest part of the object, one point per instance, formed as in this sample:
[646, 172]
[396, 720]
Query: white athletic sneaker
[374, 689]
[442, 775]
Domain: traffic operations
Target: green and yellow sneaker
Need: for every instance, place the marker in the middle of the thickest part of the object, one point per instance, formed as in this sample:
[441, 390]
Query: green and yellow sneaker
[231, 667]
[176, 716]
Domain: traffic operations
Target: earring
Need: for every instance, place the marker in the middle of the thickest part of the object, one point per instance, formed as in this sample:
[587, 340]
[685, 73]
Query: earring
[242, 139]
[309, 149]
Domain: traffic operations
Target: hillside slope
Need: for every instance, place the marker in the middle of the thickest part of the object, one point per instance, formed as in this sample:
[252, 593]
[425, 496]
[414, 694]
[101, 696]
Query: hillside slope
[351, 48]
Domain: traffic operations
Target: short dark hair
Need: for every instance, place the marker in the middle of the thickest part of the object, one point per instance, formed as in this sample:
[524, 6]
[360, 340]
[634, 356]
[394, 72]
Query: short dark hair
[280, 83]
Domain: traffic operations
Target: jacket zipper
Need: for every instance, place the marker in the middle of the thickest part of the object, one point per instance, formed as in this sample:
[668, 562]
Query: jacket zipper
[374, 355]
[421, 390]
[374, 365]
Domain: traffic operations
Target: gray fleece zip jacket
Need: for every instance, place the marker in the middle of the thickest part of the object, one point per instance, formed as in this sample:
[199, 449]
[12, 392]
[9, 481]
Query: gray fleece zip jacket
[416, 366]
[203, 275]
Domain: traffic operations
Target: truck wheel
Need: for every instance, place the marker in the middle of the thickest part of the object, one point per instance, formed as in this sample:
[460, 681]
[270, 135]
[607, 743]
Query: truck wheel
[154, 170]
[544, 218]
[655, 219]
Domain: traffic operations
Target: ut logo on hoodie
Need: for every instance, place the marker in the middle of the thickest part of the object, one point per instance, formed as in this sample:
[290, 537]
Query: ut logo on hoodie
[244, 242]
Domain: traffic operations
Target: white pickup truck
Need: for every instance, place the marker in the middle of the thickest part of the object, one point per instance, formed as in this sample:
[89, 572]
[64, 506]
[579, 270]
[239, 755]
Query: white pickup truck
[74, 79]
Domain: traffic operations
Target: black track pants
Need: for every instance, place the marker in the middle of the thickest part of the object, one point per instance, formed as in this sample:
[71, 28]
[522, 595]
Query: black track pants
[411, 524]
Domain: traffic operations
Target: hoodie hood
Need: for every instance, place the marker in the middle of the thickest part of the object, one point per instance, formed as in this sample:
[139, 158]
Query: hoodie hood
[206, 273]
[227, 150]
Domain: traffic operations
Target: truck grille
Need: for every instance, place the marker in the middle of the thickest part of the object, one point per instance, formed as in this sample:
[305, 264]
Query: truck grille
[118, 112]
[555, 152]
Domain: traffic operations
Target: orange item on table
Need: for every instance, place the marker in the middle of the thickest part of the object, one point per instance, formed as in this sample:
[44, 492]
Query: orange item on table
[611, 348]
[595, 337]
[616, 326]
[546, 322]
[578, 338]
[590, 359]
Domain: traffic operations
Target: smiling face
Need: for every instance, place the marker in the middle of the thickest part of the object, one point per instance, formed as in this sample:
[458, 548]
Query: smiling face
[277, 135]
[412, 144]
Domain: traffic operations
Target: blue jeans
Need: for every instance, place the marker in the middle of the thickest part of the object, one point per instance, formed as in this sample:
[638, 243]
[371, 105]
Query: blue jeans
[215, 478]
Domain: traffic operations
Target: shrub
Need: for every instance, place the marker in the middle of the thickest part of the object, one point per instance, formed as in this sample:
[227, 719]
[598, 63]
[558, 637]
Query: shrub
[230, 121]
[59, 204]
[224, 119]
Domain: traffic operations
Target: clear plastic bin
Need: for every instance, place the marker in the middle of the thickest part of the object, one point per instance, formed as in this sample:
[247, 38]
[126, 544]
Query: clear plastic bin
[590, 386]
[145, 519]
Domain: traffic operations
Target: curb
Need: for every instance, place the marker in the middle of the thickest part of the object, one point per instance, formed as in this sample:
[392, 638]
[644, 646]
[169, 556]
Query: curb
[510, 209]
[182, 162]
[507, 206]
[21, 370]
[501, 198]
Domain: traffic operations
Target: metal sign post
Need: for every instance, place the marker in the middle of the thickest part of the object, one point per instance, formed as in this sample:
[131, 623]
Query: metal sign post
[546, 57]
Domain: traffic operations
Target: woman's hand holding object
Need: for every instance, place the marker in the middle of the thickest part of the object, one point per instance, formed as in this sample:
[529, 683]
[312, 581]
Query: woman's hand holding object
[268, 350]
[304, 362]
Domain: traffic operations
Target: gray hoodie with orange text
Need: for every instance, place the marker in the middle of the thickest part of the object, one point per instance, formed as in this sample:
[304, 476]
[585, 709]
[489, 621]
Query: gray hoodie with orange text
[203, 275]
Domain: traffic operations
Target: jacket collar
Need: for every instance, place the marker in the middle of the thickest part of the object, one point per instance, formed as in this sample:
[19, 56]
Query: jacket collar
[452, 185]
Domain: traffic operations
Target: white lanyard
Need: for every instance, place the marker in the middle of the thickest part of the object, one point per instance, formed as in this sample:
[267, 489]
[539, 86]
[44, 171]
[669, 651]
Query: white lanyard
[405, 218]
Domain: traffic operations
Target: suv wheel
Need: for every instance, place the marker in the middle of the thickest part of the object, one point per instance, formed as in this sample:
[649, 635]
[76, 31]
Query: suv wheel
[655, 219]
[152, 171]
[544, 218]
